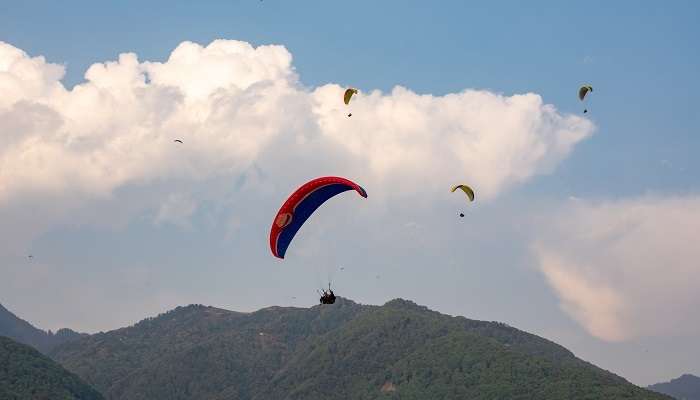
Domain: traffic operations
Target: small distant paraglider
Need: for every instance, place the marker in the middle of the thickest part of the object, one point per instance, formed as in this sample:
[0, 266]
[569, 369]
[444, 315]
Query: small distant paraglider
[349, 92]
[583, 92]
[348, 95]
[467, 190]
[178, 141]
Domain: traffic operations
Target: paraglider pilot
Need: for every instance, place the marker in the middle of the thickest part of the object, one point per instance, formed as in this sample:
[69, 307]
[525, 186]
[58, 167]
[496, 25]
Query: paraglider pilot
[327, 297]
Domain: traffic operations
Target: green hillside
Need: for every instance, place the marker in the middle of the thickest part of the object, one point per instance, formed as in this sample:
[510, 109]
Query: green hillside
[27, 374]
[22, 331]
[344, 351]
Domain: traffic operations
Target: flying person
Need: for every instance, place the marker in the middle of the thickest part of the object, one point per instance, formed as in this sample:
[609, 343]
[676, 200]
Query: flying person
[467, 190]
[347, 96]
[583, 92]
[328, 297]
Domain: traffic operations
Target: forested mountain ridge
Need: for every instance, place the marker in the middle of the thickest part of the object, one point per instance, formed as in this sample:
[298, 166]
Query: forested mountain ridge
[22, 331]
[346, 350]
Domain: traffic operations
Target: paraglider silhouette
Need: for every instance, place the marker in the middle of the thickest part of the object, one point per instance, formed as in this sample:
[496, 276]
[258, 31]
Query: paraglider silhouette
[582, 92]
[467, 190]
[347, 96]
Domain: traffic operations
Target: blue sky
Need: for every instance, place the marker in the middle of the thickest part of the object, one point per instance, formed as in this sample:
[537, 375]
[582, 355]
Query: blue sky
[642, 60]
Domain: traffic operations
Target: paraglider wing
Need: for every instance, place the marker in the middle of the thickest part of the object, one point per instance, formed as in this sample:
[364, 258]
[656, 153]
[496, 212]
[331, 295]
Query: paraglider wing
[583, 91]
[348, 95]
[301, 204]
[466, 189]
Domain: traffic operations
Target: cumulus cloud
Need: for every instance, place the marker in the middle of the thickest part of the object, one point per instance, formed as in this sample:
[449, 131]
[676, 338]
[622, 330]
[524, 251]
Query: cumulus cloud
[491, 140]
[626, 269]
[230, 102]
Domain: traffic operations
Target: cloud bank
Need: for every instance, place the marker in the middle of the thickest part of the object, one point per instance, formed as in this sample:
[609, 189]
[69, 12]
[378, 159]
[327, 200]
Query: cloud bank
[233, 104]
[626, 269]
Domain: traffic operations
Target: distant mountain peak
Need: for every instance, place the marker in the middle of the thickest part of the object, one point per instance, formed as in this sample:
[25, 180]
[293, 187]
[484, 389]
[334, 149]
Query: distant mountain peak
[405, 304]
[22, 331]
[685, 387]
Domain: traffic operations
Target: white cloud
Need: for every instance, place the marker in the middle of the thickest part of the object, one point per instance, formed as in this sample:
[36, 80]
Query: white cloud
[229, 102]
[628, 268]
[489, 140]
[176, 209]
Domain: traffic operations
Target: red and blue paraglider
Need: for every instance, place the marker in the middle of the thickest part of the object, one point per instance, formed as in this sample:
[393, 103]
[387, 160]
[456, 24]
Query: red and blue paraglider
[301, 204]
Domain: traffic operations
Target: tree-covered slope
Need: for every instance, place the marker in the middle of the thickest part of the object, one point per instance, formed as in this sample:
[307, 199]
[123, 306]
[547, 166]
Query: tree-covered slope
[403, 351]
[27, 374]
[342, 351]
[22, 331]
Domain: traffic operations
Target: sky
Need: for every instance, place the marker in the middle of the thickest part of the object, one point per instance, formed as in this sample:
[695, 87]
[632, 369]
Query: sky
[584, 226]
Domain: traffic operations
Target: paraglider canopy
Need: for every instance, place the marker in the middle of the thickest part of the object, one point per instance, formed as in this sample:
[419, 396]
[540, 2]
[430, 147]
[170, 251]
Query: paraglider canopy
[466, 189]
[583, 91]
[348, 95]
[301, 204]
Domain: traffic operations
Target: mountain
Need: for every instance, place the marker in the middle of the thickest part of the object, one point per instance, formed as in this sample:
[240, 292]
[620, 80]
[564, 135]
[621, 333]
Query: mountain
[685, 387]
[343, 351]
[27, 374]
[22, 331]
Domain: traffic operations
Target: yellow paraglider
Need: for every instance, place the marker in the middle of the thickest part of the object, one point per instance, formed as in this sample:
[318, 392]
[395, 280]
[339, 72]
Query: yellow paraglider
[348, 95]
[466, 189]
